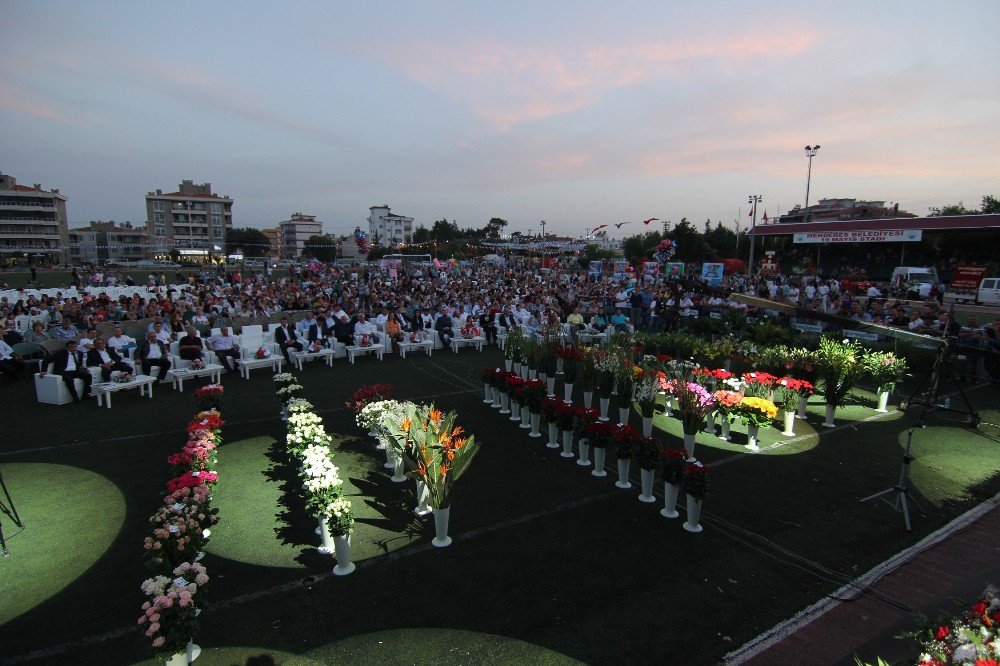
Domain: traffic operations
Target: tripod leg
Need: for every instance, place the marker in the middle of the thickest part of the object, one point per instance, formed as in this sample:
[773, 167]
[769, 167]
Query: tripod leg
[901, 498]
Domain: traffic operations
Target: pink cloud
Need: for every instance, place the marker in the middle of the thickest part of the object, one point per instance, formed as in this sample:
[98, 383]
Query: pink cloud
[24, 102]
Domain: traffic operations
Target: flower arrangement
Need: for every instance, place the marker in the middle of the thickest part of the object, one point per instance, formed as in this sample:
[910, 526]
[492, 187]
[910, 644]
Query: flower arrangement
[840, 365]
[196, 364]
[208, 421]
[340, 516]
[551, 408]
[628, 440]
[695, 482]
[802, 364]
[178, 528]
[198, 454]
[590, 373]
[756, 411]
[565, 418]
[571, 354]
[367, 394]
[583, 417]
[284, 378]
[727, 401]
[969, 638]
[884, 369]
[439, 454]
[646, 389]
[288, 391]
[490, 375]
[262, 353]
[625, 379]
[607, 365]
[674, 462]
[513, 347]
[296, 405]
[758, 384]
[191, 479]
[370, 416]
[693, 401]
[169, 617]
[123, 378]
[532, 394]
[648, 453]
[600, 434]
[789, 390]
[209, 396]
[320, 478]
[365, 340]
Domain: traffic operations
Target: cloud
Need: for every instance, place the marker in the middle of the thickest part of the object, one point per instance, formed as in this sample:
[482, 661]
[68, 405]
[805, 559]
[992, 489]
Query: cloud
[23, 101]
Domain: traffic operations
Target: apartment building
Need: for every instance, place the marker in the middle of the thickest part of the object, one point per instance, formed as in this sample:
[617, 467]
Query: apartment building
[386, 227]
[295, 231]
[33, 222]
[108, 243]
[193, 221]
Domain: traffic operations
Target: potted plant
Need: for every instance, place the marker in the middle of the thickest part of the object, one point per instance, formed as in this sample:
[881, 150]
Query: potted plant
[607, 365]
[533, 394]
[646, 390]
[625, 378]
[627, 438]
[840, 366]
[599, 434]
[693, 402]
[790, 392]
[582, 418]
[565, 419]
[590, 376]
[674, 462]
[695, 487]
[550, 410]
[571, 356]
[647, 457]
[884, 369]
[489, 381]
[755, 413]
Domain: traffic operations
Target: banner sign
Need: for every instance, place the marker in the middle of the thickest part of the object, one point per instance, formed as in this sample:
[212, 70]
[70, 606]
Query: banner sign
[967, 278]
[674, 269]
[873, 236]
[712, 274]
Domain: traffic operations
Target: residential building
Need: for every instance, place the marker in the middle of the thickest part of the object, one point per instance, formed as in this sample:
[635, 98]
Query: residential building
[294, 233]
[274, 242]
[386, 228]
[829, 210]
[193, 221]
[33, 222]
[106, 242]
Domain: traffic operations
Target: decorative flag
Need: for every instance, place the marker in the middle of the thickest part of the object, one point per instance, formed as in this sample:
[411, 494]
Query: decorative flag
[765, 216]
[750, 214]
[600, 227]
[652, 219]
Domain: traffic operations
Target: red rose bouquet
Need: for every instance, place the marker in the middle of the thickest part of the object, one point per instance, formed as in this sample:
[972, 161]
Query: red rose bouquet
[628, 439]
[674, 462]
[369, 393]
[695, 481]
[583, 417]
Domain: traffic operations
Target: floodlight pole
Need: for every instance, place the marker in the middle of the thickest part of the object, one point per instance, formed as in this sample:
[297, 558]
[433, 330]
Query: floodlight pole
[753, 199]
[810, 153]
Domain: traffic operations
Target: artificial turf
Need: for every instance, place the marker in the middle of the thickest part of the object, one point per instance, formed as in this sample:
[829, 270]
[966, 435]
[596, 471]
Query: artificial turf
[544, 553]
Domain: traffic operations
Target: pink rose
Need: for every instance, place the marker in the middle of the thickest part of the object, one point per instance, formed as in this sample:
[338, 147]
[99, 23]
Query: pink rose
[142, 620]
[159, 641]
[154, 627]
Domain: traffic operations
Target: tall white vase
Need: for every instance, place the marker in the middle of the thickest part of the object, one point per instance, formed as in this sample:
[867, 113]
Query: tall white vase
[689, 446]
[441, 538]
[496, 398]
[525, 417]
[568, 394]
[532, 374]
[789, 430]
[553, 436]
[517, 368]
[567, 444]
[883, 402]
[504, 403]
[724, 426]
[179, 659]
[623, 467]
[710, 423]
[830, 410]
[535, 419]
[623, 416]
[803, 401]
[588, 399]
[646, 476]
[599, 453]
[487, 394]
[397, 469]
[508, 364]
[344, 564]
[647, 426]
[423, 495]
[390, 458]
[515, 411]
[752, 432]
[604, 408]
[550, 385]
[326, 548]
[670, 492]
[584, 460]
[694, 515]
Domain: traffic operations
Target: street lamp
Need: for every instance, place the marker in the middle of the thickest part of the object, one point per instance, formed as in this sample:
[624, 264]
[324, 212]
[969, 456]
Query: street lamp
[810, 153]
[753, 199]
[543, 229]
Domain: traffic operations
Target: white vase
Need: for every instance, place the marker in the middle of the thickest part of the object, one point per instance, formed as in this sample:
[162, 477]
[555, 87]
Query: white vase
[517, 369]
[422, 496]
[752, 432]
[504, 403]
[710, 423]
[668, 406]
[508, 364]
[646, 476]
[532, 374]
[553, 436]
[647, 426]
[883, 402]
[622, 415]
[567, 444]
[372, 433]
[550, 385]
[568, 394]
[830, 410]
[689, 446]
[623, 467]
[803, 401]
[496, 398]
[326, 548]
[525, 417]
[397, 469]
[724, 426]
[544, 376]
[487, 394]
[179, 659]
[390, 459]
[441, 538]
[535, 418]
[694, 515]
[789, 430]
[604, 408]
[588, 399]
[670, 492]
[381, 444]
[343, 547]
[515, 411]
[599, 453]
[584, 460]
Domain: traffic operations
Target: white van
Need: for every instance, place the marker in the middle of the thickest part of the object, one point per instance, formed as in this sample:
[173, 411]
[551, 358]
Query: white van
[987, 294]
[910, 281]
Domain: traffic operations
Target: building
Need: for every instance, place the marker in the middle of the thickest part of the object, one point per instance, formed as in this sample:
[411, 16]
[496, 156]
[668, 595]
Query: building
[294, 233]
[189, 224]
[107, 243]
[386, 228]
[33, 222]
[829, 210]
[274, 242]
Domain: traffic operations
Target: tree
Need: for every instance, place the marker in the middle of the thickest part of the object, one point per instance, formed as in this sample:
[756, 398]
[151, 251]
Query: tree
[954, 209]
[251, 241]
[594, 252]
[990, 205]
[494, 228]
[322, 247]
[422, 234]
[443, 230]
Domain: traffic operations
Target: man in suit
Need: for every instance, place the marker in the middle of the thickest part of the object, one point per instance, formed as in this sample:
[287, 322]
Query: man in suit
[286, 338]
[153, 352]
[107, 359]
[70, 365]
[343, 330]
[444, 328]
[309, 328]
[224, 345]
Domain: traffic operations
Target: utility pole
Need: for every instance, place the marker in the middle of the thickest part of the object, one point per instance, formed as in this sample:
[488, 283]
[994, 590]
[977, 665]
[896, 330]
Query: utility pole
[810, 153]
[543, 229]
[753, 199]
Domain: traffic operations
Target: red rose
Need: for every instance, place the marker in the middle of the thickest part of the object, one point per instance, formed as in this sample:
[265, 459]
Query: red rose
[942, 632]
[980, 608]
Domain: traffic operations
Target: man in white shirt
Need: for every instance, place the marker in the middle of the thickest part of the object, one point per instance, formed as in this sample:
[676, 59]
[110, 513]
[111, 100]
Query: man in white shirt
[162, 334]
[363, 327]
[120, 342]
[87, 341]
[224, 345]
[11, 365]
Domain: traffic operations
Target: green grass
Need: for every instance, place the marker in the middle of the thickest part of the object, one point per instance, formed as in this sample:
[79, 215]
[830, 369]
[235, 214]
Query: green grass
[544, 553]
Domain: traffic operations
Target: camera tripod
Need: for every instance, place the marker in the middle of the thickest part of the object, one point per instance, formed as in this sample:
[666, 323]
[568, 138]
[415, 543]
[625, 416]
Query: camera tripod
[901, 490]
[930, 398]
[11, 512]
